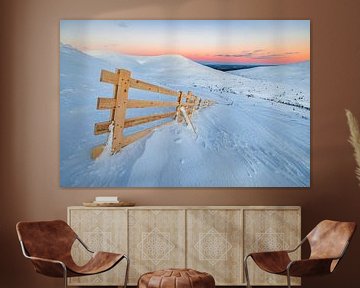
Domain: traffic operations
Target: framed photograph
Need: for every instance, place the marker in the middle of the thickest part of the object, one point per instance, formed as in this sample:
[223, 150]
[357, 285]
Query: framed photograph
[185, 103]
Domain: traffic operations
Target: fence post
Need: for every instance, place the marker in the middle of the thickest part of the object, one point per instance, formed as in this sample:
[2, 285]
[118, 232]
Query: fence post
[115, 88]
[193, 101]
[178, 112]
[197, 101]
[188, 100]
[121, 98]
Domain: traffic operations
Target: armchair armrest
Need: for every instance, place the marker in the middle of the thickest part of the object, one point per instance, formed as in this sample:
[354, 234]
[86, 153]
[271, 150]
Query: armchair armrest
[83, 244]
[49, 267]
[314, 266]
[298, 246]
[268, 254]
[280, 252]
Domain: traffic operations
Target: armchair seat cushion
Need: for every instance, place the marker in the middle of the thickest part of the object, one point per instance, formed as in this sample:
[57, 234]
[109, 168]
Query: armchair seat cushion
[272, 262]
[99, 262]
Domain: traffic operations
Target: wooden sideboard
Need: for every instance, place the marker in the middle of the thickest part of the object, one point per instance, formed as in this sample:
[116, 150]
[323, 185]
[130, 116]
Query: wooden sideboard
[212, 239]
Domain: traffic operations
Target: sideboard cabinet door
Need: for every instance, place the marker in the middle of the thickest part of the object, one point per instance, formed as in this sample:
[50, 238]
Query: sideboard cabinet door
[101, 230]
[214, 244]
[269, 230]
[156, 240]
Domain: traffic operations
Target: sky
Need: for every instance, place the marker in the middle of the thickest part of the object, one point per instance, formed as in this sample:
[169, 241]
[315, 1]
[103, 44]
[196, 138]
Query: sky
[212, 41]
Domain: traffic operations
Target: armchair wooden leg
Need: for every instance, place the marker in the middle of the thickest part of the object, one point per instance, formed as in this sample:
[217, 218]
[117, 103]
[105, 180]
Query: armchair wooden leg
[246, 270]
[127, 271]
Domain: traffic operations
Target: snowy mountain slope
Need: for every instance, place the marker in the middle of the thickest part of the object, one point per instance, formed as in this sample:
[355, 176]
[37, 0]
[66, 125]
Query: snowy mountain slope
[241, 142]
[160, 65]
[287, 84]
[283, 83]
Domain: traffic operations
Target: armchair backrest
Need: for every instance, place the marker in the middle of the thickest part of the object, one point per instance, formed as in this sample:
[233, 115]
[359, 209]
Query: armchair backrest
[46, 239]
[329, 239]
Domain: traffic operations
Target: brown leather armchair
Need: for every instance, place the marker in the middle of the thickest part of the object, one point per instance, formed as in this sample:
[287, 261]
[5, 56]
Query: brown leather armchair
[328, 242]
[48, 245]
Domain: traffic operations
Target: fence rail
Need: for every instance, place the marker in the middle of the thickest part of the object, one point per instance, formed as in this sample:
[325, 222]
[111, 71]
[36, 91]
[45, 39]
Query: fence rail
[118, 105]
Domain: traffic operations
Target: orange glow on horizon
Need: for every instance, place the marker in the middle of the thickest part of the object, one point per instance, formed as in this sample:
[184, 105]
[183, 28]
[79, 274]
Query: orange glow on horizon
[272, 60]
[266, 57]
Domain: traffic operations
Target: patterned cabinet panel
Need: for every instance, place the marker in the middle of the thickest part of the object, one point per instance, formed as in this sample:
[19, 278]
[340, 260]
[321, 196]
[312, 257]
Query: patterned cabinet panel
[267, 230]
[101, 230]
[214, 244]
[156, 240]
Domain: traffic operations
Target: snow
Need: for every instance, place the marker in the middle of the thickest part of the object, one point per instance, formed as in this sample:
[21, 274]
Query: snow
[283, 83]
[242, 141]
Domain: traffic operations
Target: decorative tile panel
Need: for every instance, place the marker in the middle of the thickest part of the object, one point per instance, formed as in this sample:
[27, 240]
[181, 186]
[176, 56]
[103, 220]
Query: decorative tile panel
[157, 240]
[270, 230]
[156, 246]
[214, 241]
[213, 246]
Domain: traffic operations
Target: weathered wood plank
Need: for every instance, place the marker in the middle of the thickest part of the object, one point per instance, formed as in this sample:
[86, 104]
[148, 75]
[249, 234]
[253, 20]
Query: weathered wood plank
[115, 88]
[134, 83]
[189, 104]
[120, 109]
[105, 103]
[101, 127]
[187, 119]
[197, 103]
[145, 104]
[188, 96]
[96, 151]
[178, 112]
[109, 77]
[145, 119]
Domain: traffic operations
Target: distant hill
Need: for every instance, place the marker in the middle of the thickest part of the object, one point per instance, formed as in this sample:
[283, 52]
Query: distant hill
[231, 67]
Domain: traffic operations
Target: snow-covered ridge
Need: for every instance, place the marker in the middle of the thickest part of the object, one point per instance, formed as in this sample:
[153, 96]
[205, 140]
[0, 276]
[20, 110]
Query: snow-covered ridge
[286, 84]
[289, 84]
[155, 67]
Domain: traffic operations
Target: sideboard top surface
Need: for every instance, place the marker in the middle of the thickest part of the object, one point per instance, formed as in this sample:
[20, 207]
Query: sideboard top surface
[193, 207]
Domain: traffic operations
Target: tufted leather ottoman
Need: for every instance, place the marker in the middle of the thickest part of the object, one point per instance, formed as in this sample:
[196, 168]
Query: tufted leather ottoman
[176, 278]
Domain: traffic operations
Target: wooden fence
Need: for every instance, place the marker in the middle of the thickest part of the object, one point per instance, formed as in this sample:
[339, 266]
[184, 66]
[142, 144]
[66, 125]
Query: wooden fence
[117, 105]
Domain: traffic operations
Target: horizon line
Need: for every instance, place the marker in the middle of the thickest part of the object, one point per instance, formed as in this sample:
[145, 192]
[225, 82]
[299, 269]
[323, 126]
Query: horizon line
[97, 53]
